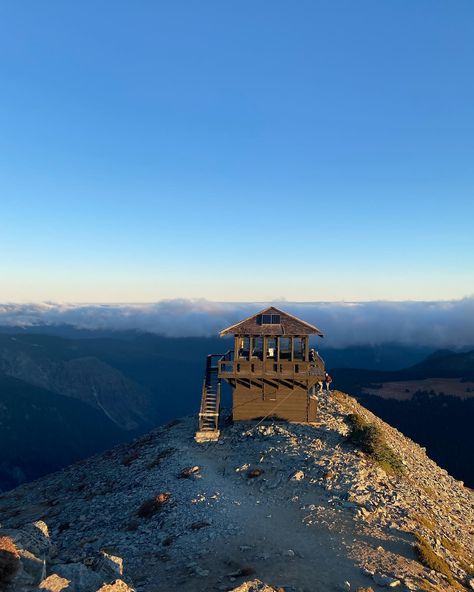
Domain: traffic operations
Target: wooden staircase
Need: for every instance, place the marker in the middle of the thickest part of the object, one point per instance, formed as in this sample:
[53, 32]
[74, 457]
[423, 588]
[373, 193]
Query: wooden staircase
[210, 401]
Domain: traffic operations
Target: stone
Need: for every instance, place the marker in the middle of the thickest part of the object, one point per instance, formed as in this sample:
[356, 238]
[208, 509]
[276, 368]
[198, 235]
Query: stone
[32, 565]
[385, 581]
[254, 586]
[298, 476]
[54, 583]
[82, 579]
[117, 586]
[108, 564]
[188, 472]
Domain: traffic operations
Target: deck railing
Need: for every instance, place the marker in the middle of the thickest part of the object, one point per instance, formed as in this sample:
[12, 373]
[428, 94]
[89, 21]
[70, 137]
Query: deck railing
[231, 368]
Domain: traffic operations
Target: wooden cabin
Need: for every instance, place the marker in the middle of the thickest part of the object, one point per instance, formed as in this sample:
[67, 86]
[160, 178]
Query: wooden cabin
[271, 370]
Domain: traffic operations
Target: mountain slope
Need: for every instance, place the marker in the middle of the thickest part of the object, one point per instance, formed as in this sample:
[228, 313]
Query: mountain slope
[41, 431]
[298, 506]
[431, 402]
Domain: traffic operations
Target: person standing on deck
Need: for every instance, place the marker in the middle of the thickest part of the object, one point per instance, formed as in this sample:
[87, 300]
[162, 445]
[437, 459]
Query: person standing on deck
[327, 381]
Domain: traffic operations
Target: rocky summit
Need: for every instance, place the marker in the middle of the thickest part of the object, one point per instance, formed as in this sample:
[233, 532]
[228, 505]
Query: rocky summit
[347, 503]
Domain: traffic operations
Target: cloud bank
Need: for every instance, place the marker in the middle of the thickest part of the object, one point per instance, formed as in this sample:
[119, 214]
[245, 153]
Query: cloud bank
[438, 324]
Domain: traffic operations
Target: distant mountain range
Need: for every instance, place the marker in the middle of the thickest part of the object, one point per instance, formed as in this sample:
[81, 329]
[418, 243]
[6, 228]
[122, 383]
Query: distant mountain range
[66, 393]
[432, 402]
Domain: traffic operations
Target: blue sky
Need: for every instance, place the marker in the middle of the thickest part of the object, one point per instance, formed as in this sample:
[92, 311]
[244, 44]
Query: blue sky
[240, 151]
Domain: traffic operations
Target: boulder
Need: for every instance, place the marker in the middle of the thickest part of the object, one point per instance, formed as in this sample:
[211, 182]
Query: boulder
[81, 578]
[111, 566]
[254, 586]
[32, 565]
[33, 537]
[117, 586]
[385, 581]
[9, 560]
[54, 583]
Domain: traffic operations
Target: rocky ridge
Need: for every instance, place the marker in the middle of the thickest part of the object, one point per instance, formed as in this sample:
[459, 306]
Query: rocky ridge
[288, 507]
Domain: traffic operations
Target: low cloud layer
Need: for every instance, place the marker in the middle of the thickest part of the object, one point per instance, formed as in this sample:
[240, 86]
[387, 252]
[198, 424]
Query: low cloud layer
[438, 324]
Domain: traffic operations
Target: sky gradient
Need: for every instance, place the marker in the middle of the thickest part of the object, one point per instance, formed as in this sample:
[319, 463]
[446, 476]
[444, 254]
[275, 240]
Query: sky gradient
[236, 151]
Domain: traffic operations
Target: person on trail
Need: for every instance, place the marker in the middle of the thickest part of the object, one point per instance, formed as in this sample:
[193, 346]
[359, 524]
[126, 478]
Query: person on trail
[327, 381]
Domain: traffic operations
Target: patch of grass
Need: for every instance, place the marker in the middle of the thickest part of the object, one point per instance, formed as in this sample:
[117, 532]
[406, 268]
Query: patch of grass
[9, 561]
[453, 546]
[370, 439]
[425, 521]
[460, 554]
[430, 492]
[432, 560]
[426, 586]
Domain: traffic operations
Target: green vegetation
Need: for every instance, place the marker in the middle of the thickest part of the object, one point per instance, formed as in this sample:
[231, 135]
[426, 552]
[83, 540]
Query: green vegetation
[432, 560]
[425, 521]
[9, 560]
[370, 439]
[460, 554]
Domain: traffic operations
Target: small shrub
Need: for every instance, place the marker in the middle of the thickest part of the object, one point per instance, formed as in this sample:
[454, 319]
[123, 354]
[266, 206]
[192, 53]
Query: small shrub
[432, 560]
[9, 560]
[254, 473]
[130, 457]
[160, 456]
[150, 507]
[460, 555]
[430, 492]
[370, 439]
[428, 523]
[453, 546]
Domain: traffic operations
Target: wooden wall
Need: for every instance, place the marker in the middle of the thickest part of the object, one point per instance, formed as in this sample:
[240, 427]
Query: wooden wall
[289, 404]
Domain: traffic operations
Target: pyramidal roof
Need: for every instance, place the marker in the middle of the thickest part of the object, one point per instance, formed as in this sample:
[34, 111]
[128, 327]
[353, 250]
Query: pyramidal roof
[272, 321]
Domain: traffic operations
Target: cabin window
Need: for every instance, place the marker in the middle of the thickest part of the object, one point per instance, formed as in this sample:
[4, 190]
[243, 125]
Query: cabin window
[272, 350]
[269, 319]
[244, 348]
[299, 348]
[257, 347]
[285, 348]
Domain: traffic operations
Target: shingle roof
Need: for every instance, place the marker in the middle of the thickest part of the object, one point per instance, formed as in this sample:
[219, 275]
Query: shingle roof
[289, 325]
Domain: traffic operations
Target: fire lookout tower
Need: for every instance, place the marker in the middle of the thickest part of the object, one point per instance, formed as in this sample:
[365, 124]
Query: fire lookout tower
[271, 370]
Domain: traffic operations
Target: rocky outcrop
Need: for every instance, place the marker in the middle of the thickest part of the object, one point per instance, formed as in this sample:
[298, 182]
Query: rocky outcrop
[270, 507]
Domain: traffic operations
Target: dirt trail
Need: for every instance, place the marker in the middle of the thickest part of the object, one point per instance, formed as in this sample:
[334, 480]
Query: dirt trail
[273, 538]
